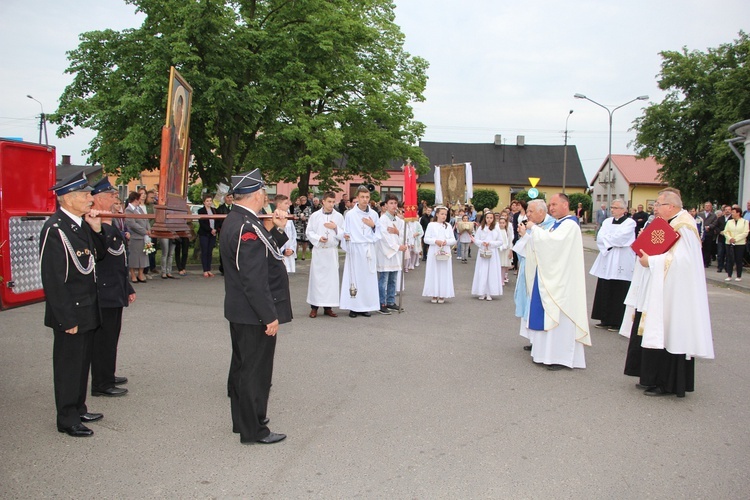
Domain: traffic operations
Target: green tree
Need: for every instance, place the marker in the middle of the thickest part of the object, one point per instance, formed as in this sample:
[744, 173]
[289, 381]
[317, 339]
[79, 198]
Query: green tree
[195, 193]
[427, 195]
[706, 93]
[289, 86]
[585, 199]
[485, 198]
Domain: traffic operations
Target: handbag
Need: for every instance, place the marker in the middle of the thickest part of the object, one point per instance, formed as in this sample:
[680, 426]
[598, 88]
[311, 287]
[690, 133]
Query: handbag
[486, 254]
[442, 253]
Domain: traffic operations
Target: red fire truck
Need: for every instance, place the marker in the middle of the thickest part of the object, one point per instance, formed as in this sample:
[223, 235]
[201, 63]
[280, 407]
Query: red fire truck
[26, 173]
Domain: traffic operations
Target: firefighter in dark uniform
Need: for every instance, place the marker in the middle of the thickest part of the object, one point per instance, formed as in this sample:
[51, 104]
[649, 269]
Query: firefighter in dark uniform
[256, 302]
[115, 292]
[69, 246]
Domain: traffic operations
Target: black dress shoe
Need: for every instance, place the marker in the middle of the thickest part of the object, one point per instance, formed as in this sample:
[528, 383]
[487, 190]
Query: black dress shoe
[78, 430]
[265, 421]
[601, 325]
[352, 314]
[365, 314]
[527, 348]
[272, 438]
[121, 380]
[554, 368]
[655, 391]
[112, 392]
[643, 387]
[91, 417]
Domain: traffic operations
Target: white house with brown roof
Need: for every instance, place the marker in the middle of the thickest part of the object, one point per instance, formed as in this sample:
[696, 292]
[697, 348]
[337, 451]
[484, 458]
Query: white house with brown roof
[635, 180]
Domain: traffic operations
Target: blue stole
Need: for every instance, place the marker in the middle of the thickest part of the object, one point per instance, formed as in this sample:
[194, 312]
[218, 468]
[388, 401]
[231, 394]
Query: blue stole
[536, 308]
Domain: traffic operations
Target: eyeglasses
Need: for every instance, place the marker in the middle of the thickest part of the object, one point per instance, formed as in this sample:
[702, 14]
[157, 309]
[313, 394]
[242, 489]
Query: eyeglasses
[617, 208]
[657, 205]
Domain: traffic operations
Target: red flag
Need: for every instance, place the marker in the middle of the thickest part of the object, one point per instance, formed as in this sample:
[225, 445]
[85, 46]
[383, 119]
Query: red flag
[410, 192]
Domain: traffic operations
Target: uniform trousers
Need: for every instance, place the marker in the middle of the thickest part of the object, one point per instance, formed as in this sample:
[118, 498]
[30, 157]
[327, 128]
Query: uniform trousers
[250, 375]
[71, 360]
[104, 358]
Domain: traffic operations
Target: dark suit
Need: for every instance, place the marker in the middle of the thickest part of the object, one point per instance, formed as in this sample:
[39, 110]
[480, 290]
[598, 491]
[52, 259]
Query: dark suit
[114, 288]
[67, 260]
[640, 219]
[223, 209]
[257, 293]
[206, 239]
[721, 243]
[710, 222]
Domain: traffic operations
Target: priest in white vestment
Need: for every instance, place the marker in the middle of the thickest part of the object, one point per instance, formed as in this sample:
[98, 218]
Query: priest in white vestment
[667, 316]
[325, 230]
[556, 277]
[536, 212]
[613, 266]
[359, 287]
[390, 250]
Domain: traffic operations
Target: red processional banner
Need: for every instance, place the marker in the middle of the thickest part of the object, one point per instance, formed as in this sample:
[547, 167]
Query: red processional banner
[410, 192]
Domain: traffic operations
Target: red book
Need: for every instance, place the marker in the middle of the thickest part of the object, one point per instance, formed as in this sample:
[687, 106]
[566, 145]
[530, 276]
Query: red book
[656, 238]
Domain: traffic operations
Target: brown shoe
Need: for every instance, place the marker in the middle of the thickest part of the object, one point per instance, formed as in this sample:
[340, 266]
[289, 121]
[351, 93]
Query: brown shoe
[329, 312]
[313, 313]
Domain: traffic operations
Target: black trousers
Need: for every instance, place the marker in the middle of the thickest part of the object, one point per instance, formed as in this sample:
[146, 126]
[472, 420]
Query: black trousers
[709, 244]
[250, 374]
[181, 253]
[721, 255]
[735, 256]
[104, 357]
[71, 360]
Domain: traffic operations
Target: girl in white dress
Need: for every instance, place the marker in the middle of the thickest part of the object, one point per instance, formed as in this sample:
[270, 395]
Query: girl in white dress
[438, 279]
[505, 255]
[489, 240]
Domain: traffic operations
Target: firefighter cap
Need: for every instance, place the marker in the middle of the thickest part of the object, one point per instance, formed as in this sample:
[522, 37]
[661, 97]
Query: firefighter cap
[247, 183]
[77, 182]
[103, 186]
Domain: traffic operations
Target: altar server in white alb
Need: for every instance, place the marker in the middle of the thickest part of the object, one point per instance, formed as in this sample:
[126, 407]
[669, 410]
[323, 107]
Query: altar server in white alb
[667, 317]
[289, 249]
[556, 277]
[487, 274]
[614, 267]
[438, 278]
[359, 286]
[325, 230]
[390, 250]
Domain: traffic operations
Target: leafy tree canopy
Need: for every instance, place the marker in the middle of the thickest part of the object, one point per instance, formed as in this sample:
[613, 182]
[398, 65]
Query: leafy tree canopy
[485, 198]
[291, 87]
[427, 195]
[706, 93]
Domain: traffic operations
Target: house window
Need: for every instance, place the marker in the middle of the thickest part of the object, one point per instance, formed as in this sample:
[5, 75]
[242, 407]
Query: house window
[271, 190]
[395, 190]
[598, 198]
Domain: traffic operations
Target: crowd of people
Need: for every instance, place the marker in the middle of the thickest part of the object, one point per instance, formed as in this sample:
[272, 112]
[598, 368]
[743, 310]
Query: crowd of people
[642, 297]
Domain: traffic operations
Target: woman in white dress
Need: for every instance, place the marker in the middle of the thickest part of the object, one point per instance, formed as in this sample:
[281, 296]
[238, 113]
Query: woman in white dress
[438, 279]
[489, 240]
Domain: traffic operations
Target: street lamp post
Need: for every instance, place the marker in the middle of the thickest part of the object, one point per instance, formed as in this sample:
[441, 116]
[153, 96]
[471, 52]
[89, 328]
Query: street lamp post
[42, 122]
[609, 156]
[565, 152]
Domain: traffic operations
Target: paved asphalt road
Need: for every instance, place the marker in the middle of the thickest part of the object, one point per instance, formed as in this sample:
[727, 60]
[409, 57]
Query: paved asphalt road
[438, 402]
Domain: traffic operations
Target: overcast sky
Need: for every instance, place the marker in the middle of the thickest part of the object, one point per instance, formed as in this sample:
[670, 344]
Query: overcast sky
[496, 67]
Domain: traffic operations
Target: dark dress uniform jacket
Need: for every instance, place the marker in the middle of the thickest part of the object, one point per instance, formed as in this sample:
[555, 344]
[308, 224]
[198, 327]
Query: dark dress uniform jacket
[112, 271]
[257, 293]
[71, 296]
